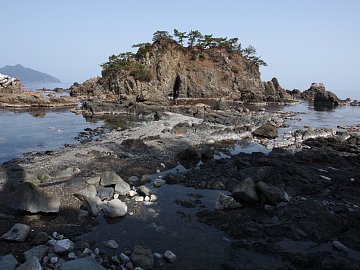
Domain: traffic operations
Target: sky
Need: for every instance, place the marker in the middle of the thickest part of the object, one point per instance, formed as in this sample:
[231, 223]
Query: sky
[302, 41]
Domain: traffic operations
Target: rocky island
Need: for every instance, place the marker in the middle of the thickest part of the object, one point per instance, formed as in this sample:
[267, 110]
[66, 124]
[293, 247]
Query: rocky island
[291, 203]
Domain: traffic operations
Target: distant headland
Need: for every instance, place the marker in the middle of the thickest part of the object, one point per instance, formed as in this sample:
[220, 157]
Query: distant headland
[28, 75]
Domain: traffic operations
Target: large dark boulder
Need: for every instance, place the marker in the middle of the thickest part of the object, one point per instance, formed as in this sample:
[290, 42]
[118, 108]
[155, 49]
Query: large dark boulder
[320, 96]
[266, 131]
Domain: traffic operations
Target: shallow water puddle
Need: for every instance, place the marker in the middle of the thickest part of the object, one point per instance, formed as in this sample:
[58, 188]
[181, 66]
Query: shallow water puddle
[168, 225]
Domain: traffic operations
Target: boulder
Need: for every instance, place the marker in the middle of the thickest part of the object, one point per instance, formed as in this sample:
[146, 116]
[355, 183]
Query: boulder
[91, 204]
[245, 191]
[40, 239]
[271, 194]
[142, 257]
[86, 263]
[38, 251]
[115, 208]
[17, 233]
[63, 246]
[30, 264]
[106, 193]
[8, 262]
[268, 131]
[110, 178]
[88, 191]
[31, 198]
[122, 188]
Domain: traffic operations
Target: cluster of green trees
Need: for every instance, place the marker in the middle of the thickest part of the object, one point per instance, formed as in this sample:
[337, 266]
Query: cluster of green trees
[193, 39]
[204, 42]
[126, 61]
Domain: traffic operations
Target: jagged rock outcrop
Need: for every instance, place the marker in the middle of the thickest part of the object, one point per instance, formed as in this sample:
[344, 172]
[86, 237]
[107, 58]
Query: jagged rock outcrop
[166, 70]
[320, 96]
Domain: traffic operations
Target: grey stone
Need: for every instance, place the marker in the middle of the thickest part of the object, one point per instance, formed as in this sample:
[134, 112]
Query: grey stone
[92, 204]
[86, 263]
[142, 257]
[17, 233]
[106, 193]
[93, 180]
[134, 180]
[8, 262]
[339, 246]
[109, 178]
[226, 202]
[54, 260]
[153, 198]
[122, 188]
[31, 198]
[83, 214]
[38, 251]
[266, 131]
[31, 264]
[115, 208]
[111, 244]
[271, 193]
[159, 182]
[245, 191]
[88, 191]
[169, 256]
[124, 258]
[41, 238]
[63, 246]
[144, 190]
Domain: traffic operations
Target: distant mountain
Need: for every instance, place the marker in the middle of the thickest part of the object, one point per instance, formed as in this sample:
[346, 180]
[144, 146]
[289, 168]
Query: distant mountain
[28, 75]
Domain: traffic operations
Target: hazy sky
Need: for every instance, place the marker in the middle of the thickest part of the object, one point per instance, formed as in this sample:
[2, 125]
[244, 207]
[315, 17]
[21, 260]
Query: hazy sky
[303, 41]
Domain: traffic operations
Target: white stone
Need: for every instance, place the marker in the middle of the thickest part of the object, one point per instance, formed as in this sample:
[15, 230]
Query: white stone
[115, 208]
[153, 198]
[132, 193]
[147, 199]
[116, 196]
[139, 198]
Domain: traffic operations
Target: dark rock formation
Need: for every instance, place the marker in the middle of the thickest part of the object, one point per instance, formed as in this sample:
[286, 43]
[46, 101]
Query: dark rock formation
[166, 70]
[320, 96]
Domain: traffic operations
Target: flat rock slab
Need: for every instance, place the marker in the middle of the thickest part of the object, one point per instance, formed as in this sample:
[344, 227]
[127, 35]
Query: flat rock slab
[31, 264]
[31, 198]
[17, 233]
[81, 264]
[38, 251]
[8, 262]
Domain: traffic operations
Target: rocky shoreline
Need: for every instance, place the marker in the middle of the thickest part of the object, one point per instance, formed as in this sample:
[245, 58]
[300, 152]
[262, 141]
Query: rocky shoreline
[314, 180]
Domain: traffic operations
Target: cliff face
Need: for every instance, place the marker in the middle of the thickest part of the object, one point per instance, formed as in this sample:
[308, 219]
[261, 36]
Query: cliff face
[175, 71]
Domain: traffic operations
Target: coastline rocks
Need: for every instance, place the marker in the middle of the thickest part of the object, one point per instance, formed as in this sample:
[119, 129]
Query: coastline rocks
[170, 256]
[266, 131]
[92, 204]
[320, 96]
[31, 198]
[17, 233]
[40, 239]
[110, 178]
[142, 257]
[111, 244]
